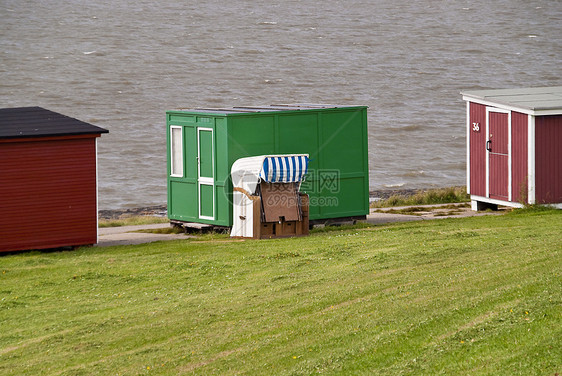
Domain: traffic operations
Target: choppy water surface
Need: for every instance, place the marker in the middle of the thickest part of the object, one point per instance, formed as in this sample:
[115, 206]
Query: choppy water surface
[121, 64]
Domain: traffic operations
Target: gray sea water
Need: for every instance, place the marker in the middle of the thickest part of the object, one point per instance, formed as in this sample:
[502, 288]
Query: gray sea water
[121, 64]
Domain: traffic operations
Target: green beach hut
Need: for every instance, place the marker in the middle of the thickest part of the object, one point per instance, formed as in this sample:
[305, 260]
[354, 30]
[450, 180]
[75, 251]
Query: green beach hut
[204, 143]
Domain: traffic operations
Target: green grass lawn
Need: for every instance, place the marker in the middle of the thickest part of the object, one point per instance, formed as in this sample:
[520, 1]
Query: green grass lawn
[471, 296]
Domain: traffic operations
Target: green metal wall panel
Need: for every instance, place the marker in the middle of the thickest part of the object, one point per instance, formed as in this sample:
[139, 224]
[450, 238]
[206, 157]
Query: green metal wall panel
[206, 155]
[190, 152]
[181, 204]
[221, 152]
[343, 171]
[178, 119]
[223, 210]
[223, 185]
[341, 147]
[250, 136]
[297, 133]
[206, 201]
[348, 200]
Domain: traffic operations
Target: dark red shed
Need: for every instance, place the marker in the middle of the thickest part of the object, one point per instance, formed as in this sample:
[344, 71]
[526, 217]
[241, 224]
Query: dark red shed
[48, 180]
[514, 146]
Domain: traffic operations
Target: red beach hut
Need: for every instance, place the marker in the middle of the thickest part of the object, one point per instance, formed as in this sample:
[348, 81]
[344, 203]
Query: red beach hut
[514, 146]
[48, 180]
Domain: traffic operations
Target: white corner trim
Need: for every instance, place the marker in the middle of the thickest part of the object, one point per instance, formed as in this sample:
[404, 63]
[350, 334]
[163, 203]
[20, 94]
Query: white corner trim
[97, 199]
[468, 129]
[531, 175]
[509, 160]
[487, 152]
[495, 109]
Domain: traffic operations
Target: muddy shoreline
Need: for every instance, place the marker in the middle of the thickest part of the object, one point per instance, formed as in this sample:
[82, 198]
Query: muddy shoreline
[161, 210]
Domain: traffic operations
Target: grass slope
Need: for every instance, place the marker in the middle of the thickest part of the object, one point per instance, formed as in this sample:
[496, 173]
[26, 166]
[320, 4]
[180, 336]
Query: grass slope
[473, 296]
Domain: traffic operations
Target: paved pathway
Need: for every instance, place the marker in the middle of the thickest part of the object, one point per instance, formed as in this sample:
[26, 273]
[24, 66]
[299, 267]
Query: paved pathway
[126, 235]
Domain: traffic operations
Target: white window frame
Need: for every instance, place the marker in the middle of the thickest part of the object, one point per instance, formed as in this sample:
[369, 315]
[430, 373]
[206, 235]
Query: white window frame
[173, 151]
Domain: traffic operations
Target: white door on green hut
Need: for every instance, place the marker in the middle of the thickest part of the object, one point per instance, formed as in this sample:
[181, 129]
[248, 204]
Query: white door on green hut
[205, 173]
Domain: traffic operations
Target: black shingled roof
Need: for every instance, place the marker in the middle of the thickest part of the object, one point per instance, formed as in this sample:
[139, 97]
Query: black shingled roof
[27, 122]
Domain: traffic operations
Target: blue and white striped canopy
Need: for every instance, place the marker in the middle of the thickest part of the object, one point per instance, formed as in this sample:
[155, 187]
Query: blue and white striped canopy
[284, 169]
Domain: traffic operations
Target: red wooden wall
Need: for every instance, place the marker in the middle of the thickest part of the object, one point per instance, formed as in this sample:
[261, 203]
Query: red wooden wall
[548, 159]
[477, 113]
[47, 193]
[519, 157]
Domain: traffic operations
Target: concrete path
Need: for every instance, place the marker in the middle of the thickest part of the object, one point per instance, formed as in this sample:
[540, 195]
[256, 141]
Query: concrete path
[376, 218]
[126, 235]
